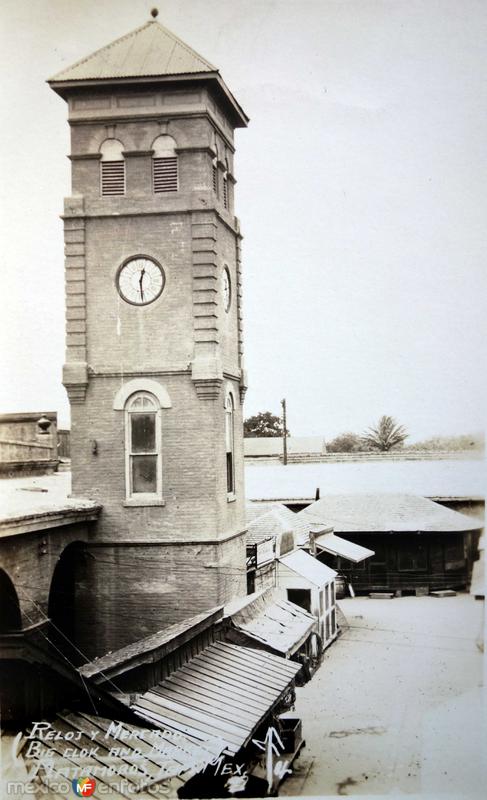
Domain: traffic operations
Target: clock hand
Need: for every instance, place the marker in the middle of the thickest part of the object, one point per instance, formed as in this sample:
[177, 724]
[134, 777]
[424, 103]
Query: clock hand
[141, 280]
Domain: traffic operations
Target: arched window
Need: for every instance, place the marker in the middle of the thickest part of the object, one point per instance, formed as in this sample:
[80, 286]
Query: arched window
[164, 165]
[225, 186]
[143, 447]
[230, 444]
[214, 175]
[112, 173]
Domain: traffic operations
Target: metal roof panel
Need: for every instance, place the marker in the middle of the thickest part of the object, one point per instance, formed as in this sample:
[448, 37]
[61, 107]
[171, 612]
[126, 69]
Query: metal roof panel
[341, 547]
[261, 678]
[275, 622]
[394, 512]
[307, 566]
[150, 50]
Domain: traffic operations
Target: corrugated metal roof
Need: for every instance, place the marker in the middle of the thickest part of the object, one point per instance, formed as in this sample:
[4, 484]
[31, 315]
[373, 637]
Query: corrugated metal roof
[465, 479]
[149, 758]
[386, 512]
[341, 547]
[308, 567]
[224, 692]
[150, 50]
[272, 621]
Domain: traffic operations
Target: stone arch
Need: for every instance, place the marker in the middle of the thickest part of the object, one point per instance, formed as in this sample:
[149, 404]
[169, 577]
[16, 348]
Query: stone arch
[163, 146]
[111, 150]
[64, 602]
[10, 617]
[141, 385]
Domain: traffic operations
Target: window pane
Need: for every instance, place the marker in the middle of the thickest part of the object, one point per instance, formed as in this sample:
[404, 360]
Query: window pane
[143, 432]
[144, 474]
[228, 431]
[229, 472]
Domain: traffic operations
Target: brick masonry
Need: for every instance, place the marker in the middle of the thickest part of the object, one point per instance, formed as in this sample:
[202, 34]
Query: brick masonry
[152, 565]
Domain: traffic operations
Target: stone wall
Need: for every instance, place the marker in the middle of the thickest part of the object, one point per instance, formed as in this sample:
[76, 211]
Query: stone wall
[27, 447]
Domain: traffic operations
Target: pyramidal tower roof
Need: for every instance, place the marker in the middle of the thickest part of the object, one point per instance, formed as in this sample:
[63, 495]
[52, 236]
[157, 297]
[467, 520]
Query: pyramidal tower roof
[149, 52]
[146, 51]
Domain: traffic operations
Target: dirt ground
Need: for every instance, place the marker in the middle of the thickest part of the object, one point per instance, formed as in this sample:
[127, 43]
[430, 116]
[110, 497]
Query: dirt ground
[397, 705]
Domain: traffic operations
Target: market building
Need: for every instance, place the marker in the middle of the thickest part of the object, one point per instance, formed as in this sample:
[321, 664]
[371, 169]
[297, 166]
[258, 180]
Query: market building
[415, 546]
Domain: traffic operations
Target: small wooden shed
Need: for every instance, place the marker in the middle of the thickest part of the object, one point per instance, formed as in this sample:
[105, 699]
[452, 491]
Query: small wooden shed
[311, 585]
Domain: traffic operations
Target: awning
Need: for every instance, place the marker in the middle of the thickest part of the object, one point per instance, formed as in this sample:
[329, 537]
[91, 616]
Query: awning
[272, 621]
[223, 693]
[330, 543]
[308, 567]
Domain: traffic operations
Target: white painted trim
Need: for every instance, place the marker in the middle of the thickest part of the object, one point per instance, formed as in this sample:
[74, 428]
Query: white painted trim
[141, 385]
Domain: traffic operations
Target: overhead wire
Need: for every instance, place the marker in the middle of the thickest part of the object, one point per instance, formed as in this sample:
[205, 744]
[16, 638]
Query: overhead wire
[73, 645]
[64, 656]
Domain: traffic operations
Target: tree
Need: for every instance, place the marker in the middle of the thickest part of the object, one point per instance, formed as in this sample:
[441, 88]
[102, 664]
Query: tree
[386, 435]
[263, 424]
[345, 443]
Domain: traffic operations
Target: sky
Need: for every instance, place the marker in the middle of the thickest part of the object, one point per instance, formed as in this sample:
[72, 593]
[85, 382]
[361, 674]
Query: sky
[361, 196]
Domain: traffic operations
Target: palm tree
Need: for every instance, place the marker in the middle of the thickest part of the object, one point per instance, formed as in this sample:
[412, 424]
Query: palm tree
[386, 435]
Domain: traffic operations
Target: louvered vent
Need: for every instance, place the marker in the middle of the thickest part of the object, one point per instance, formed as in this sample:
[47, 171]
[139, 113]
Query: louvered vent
[165, 174]
[225, 192]
[215, 178]
[112, 177]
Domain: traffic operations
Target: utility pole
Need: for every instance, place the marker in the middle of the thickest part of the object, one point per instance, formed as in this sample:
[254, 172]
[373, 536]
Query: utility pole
[284, 431]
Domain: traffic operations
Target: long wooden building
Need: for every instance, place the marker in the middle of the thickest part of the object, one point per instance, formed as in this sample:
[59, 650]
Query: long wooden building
[418, 546]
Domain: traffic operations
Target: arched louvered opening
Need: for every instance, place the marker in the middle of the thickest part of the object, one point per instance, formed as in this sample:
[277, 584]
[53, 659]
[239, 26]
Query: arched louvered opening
[165, 165]
[214, 175]
[112, 174]
[225, 187]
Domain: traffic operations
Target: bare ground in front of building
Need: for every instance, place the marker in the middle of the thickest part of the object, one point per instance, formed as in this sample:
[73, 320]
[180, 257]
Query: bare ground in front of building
[397, 706]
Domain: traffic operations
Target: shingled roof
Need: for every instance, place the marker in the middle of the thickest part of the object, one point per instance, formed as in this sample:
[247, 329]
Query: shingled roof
[146, 51]
[270, 525]
[255, 510]
[386, 512]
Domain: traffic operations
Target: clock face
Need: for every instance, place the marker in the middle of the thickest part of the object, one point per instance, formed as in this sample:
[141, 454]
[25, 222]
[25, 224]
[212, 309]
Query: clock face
[226, 289]
[140, 280]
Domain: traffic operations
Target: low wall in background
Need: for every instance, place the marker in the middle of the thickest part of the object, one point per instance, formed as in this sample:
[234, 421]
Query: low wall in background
[28, 443]
[395, 455]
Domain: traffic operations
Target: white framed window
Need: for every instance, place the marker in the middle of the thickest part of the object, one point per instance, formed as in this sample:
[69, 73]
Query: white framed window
[112, 168]
[143, 449]
[165, 176]
[230, 445]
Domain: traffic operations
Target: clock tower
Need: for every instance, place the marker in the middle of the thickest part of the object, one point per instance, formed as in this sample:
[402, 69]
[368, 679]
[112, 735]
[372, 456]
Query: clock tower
[154, 368]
